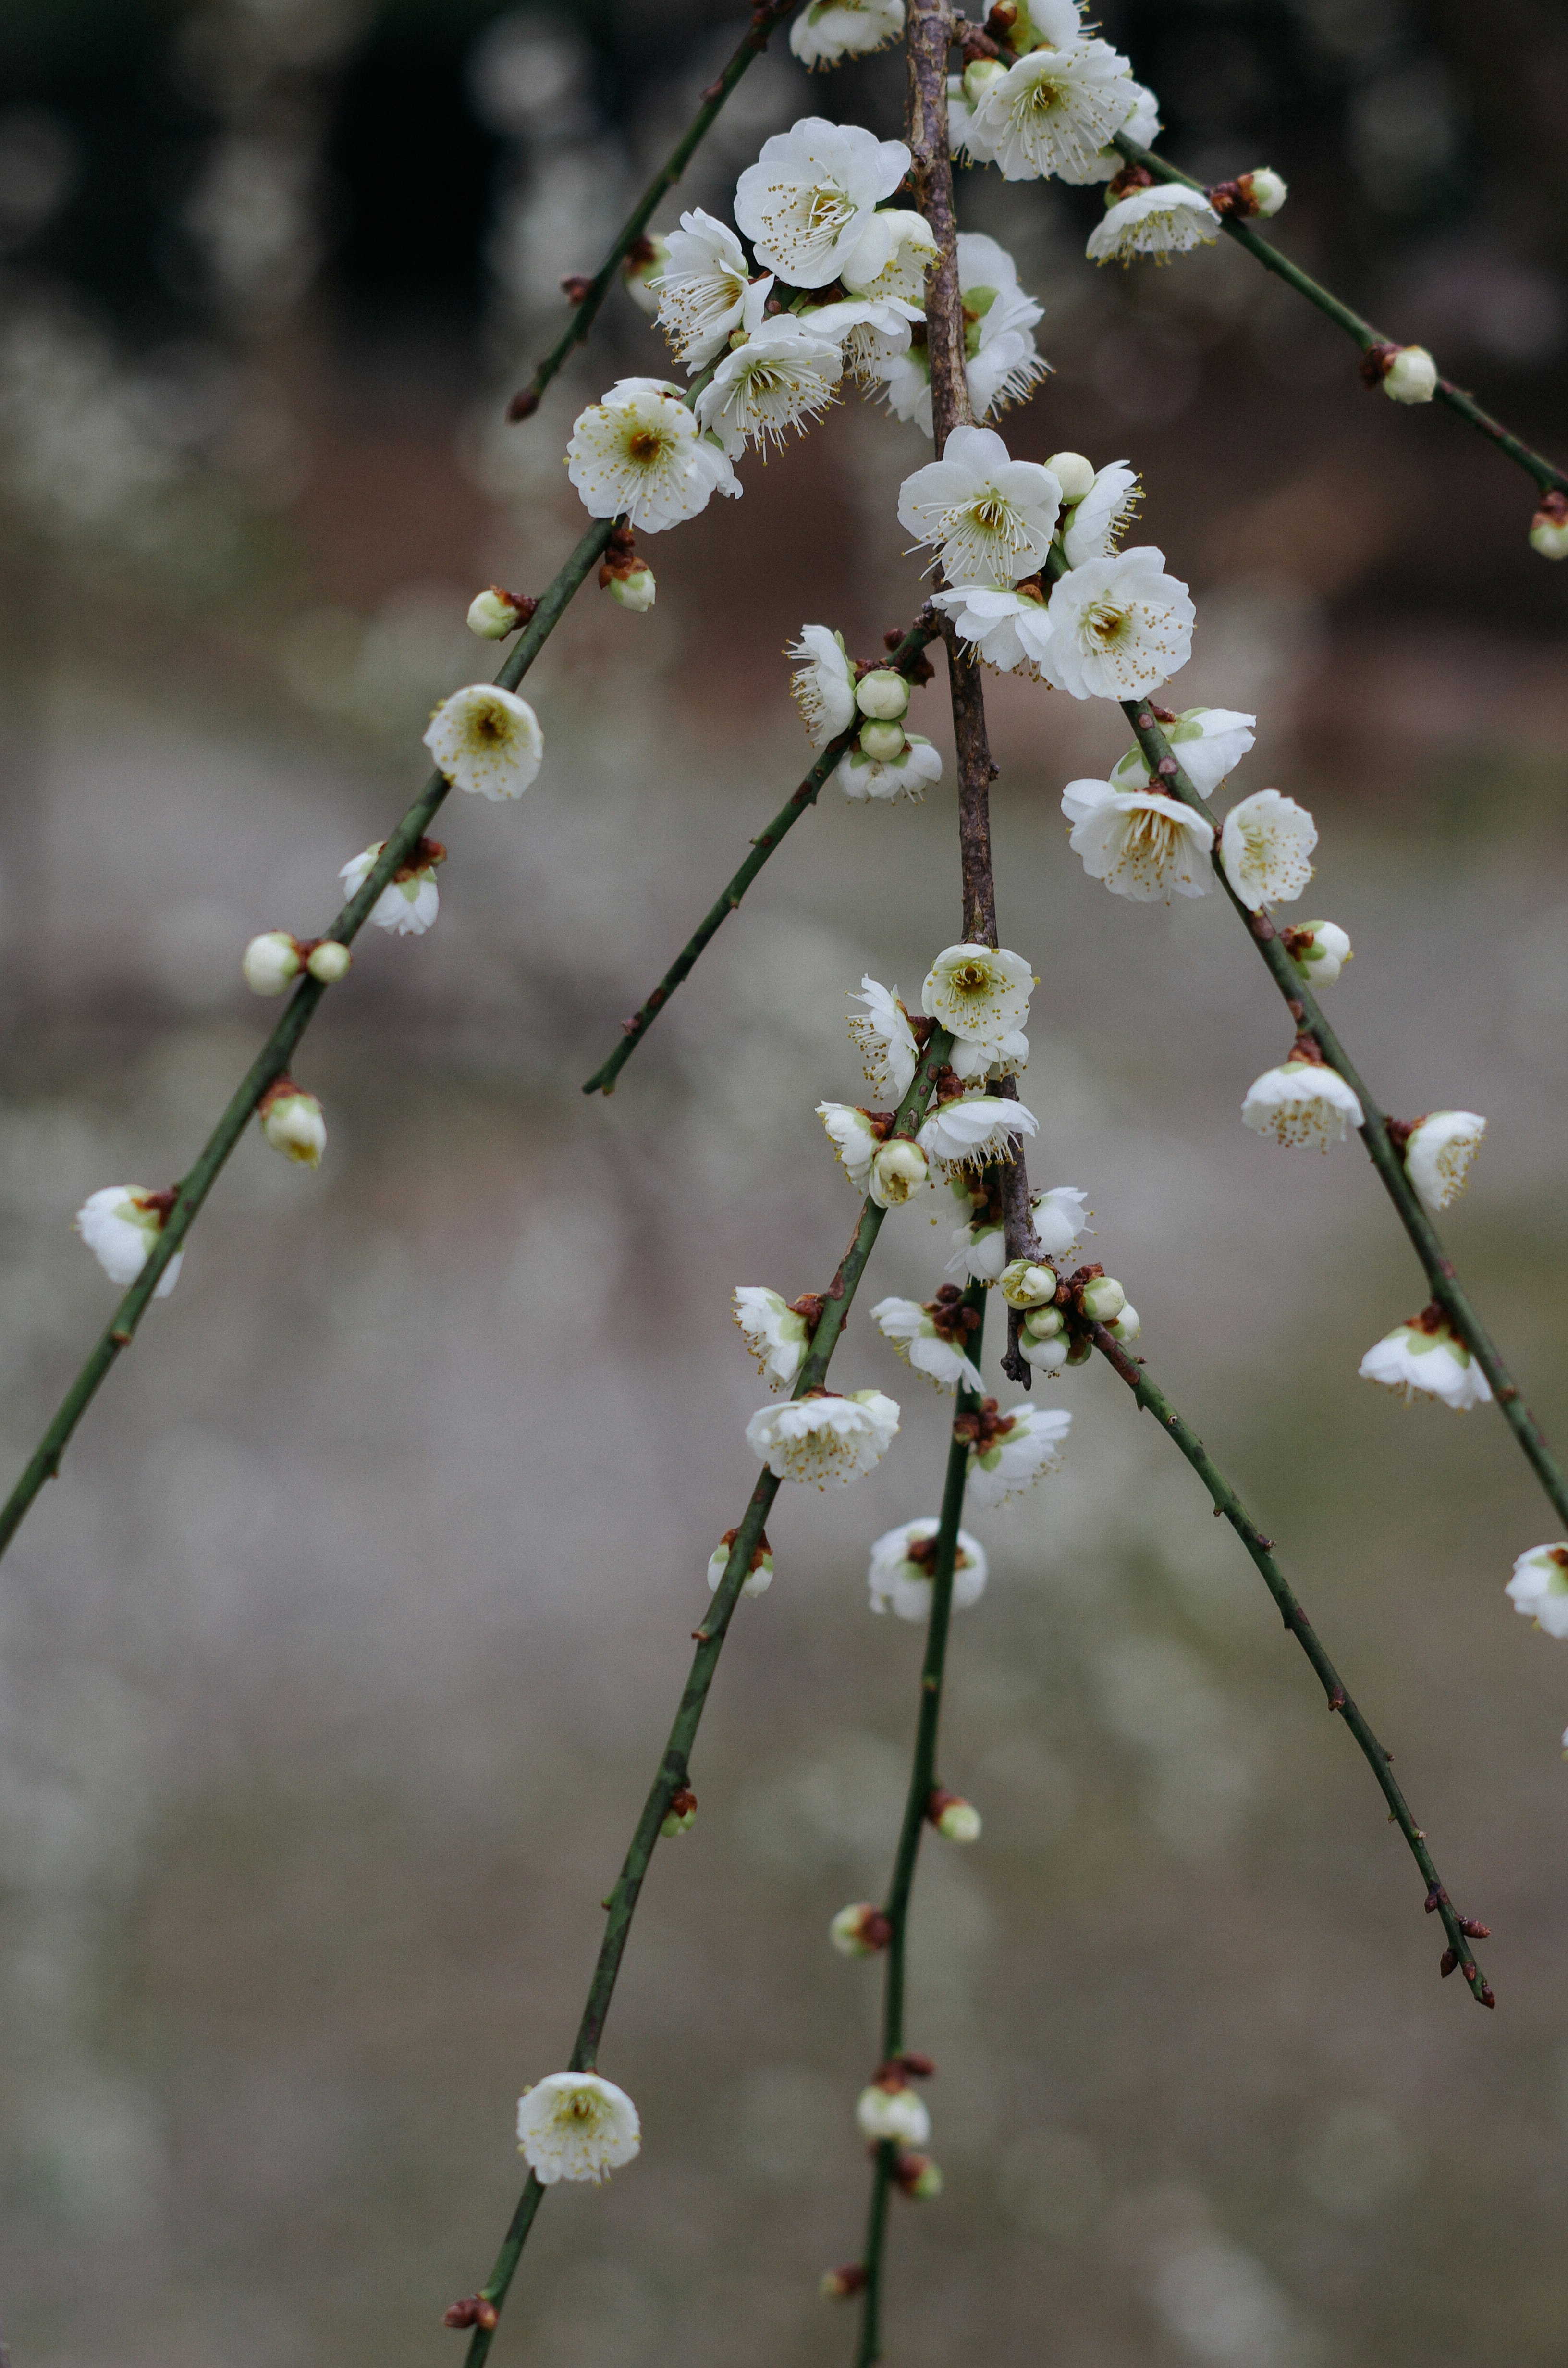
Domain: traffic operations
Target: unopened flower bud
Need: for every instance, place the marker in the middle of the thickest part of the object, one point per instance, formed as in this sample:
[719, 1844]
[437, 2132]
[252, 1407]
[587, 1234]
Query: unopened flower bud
[982, 76]
[292, 1123]
[885, 2111]
[1104, 1299]
[1079, 1351]
[269, 962]
[1049, 1355]
[860, 1931]
[682, 1813]
[956, 1820]
[1548, 528]
[635, 591]
[494, 613]
[898, 1171]
[1042, 1323]
[1410, 375]
[838, 2285]
[647, 261]
[329, 962]
[1319, 949]
[1073, 473]
[1262, 192]
[1025, 1284]
[882, 694]
[918, 2178]
[1127, 1328]
[883, 742]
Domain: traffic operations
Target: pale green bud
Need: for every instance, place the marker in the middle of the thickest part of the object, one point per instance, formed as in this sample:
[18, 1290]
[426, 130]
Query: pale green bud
[882, 694]
[1127, 1328]
[959, 1822]
[982, 76]
[883, 742]
[635, 591]
[1411, 376]
[1042, 1323]
[1073, 473]
[1025, 1284]
[1548, 531]
[270, 962]
[1104, 1299]
[898, 1169]
[492, 615]
[1265, 190]
[329, 962]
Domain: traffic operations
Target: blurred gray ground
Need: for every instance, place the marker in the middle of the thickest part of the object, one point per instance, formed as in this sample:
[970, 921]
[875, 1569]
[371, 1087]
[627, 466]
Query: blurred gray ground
[334, 1669]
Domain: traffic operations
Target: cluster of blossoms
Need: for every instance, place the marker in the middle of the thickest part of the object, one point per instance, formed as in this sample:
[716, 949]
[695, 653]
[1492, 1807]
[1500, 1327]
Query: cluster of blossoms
[836, 693]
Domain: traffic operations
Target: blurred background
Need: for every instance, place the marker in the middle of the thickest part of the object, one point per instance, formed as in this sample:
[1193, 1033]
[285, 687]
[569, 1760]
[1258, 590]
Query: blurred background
[332, 1671]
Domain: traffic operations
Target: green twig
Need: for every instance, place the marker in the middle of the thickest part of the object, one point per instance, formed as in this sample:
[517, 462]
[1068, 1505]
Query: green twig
[1548, 477]
[1462, 1932]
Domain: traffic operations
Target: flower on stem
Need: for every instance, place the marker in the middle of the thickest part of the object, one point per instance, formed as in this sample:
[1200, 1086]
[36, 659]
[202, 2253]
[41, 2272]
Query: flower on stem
[809, 201]
[893, 258]
[701, 286]
[1059, 1218]
[1207, 742]
[119, 1226]
[1004, 624]
[882, 695]
[410, 900]
[292, 1123]
[496, 612]
[1319, 949]
[1265, 845]
[1142, 124]
[885, 1039]
[1259, 193]
[1009, 1453]
[1426, 1358]
[898, 1170]
[854, 1134]
[1548, 528]
[979, 1245]
[1119, 626]
[1025, 1283]
[576, 2126]
[1438, 1153]
[645, 264]
[487, 741]
[992, 515]
[968, 1059]
[824, 1437]
[624, 576]
[271, 962]
[1002, 362]
[956, 1820]
[860, 1931]
[823, 683]
[759, 1578]
[641, 454]
[909, 774]
[1053, 112]
[1099, 518]
[827, 30]
[1538, 1588]
[1408, 373]
[890, 2109]
[978, 992]
[681, 1815]
[903, 1562]
[781, 376]
[932, 1339]
[778, 1334]
[1141, 844]
[971, 1130]
[1160, 222]
[1301, 1102]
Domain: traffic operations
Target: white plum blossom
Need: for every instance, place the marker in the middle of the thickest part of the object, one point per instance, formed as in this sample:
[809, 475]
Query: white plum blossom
[494, 613]
[1438, 1153]
[1004, 624]
[642, 271]
[992, 515]
[702, 287]
[1119, 626]
[781, 377]
[968, 1059]
[1165, 220]
[1301, 1103]
[292, 1123]
[1426, 1358]
[823, 683]
[868, 330]
[808, 201]
[893, 258]
[775, 1333]
[882, 1036]
[1538, 1588]
[980, 1248]
[898, 1170]
[824, 1437]
[853, 1136]
[1410, 375]
[1002, 363]
[1143, 845]
[892, 2113]
[972, 1130]
[1265, 847]
[1207, 742]
[640, 453]
[1143, 125]
[1060, 1217]
[1009, 1453]
[900, 1578]
[1320, 950]
[1098, 519]
[409, 902]
[929, 1343]
[827, 30]
[576, 2126]
[487, 741]
[1053, 112]
[270, 962]
[758, 1579]
[916, 769]
[978, 992]
[119, 1226]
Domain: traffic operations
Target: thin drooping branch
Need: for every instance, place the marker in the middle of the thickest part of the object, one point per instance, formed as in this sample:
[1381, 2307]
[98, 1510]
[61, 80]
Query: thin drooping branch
[1437, 1265]
[482, 2310]
[1462, 1930]
[1550, 478]
[589, 294]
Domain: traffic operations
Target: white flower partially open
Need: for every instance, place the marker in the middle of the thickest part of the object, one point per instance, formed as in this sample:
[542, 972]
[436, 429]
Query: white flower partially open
[908, 775]
[1009, 1452]
[776, 1335]
[1301, 1103]
[640, 454]
[1266, 847]
[758, 1579]
[1207, 742]
[1094, 525]
[1002, 363]
[1426, 1358]
[870, 332]
[827, 30]
[1165, 220]
[931, 1343]
[576, 2126]
[293, 1124]
[487, 741]
[973, 1130]
[885, 1040]
[1055, 111]
[892, 2113]
[1060, 1217]
[823, 686]
[1006, 1059]
[978, 992]
[894, 255]
[119, 1226]
[823, 1436]
[1143, 845]
[992, 515]
[1320, 950]
[781, 377]
[1004, 624]
[1438, 1154]
[1119, 626]
[853, 1136]
[1538, 1588]
[808, 201]
[701, 288]
[1143, 125]
[409, 902]
[899, 1579]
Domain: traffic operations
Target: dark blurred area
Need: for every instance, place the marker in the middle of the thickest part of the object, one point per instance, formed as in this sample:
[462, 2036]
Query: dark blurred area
[334, 1668]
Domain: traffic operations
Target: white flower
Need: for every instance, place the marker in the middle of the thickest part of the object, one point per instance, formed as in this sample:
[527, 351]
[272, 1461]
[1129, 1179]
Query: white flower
[410, 901]
[973, 1130]
[908, 775]
[641, 454]
[902, 1563]
[1001, 361]
[119, 1226]
[826, 30]
[981, 992]
[869, 332]
[930, 1339]
[885, 1040]
[1143, 125]
[1096, 522]
[270, 962]
[1009, 1453]
[807, 202]
[576, 2126]
[1118, 626]
[896, 2113]
[968, 1059]
[1027, 1283]
[855, 1136]
[777, 1336]
[486, 740]
[1164, 221]
[1055, 111]
[1141, 844]
[1004, 625]
[1410, 375]
[896, 250]
[1265, 845]
[1426, 1358]
[1538, 1588]
[292, 1123]
[1207, 742]
[980, 1250]
[1302, 1102]
[760, 1577]
[1438, 1154]
[992, 516]
[898, 1172]
[1320, 950]
[1059, 1218]
[781, 377]
[823, 1436]
[823, 686]
[701, 288]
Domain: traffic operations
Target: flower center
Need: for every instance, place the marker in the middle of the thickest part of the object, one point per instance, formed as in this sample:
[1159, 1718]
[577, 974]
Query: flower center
[827, 210]
[644, 446]
[1046, 98]
[1106, 625]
